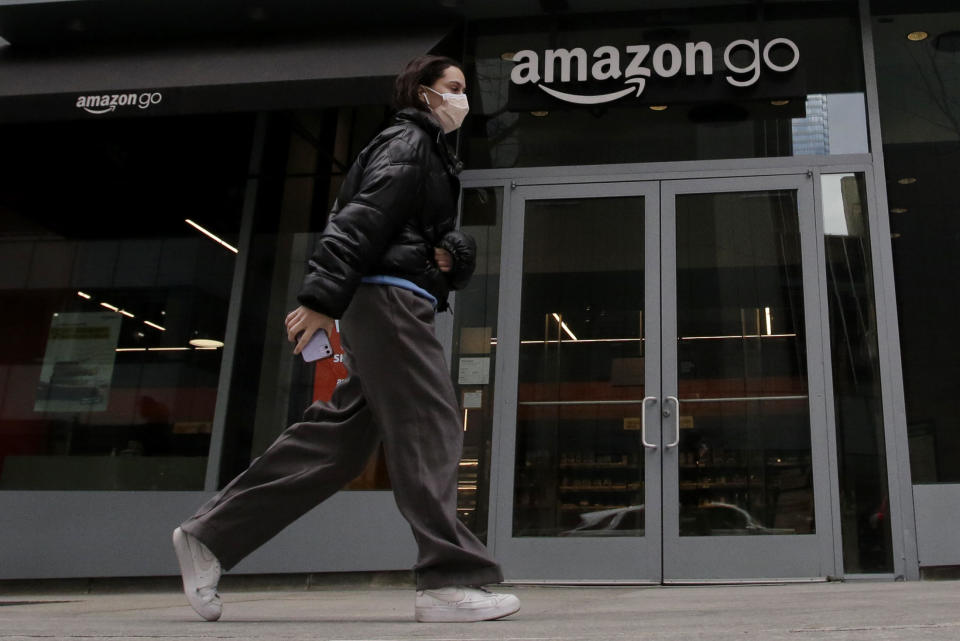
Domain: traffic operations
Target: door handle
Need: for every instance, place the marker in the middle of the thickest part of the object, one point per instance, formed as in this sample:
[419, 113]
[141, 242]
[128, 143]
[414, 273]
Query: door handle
[643, 422]
[676, 421]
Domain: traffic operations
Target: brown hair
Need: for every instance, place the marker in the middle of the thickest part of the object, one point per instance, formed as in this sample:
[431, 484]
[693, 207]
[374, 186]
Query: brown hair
[422, 70]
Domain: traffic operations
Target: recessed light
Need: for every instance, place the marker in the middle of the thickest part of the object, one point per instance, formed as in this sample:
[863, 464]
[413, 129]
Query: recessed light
[895, 235]
[508, 56]
[658, 107]
[907, 181]
[917, 36]
[540, 114]
[779, 103]
[899, 210]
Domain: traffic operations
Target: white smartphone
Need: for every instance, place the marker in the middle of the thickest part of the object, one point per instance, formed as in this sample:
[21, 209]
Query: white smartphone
[318, 347]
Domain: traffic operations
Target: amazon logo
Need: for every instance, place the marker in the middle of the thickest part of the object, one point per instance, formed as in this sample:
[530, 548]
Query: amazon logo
[106, 103]
[744, 61]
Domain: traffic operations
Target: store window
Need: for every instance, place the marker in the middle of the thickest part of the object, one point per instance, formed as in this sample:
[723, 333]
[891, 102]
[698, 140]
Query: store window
[857, 399]
[118, 242]
[918, 77]
[474, 352]
[304, 159]
[758, 81]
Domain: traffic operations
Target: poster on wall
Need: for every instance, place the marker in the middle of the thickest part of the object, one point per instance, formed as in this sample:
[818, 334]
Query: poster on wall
[78, 363]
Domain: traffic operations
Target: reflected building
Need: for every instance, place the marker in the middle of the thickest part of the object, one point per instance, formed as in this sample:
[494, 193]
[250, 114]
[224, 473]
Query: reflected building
[811, 134]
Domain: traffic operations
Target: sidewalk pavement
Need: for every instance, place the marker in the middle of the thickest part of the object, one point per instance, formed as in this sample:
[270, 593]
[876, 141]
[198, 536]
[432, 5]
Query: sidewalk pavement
[874, 611]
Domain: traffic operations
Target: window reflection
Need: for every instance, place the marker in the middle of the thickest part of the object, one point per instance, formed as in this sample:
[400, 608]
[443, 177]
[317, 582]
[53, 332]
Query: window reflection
[918, 84]
[865, 526]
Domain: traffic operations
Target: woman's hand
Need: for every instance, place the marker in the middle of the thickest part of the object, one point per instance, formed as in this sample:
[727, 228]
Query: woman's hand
[302, 323]
[443, 259]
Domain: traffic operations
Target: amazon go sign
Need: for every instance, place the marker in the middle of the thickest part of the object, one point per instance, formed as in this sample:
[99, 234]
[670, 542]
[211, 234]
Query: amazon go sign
[634, 65]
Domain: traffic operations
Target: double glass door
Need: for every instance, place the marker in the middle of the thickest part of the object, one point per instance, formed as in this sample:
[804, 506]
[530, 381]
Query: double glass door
[662, 418]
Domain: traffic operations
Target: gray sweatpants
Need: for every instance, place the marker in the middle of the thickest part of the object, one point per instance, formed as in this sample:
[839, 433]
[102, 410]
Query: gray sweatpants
[399, 393]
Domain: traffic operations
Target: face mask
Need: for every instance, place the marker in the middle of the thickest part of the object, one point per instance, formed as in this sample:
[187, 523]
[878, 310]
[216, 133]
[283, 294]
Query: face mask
[451, 111]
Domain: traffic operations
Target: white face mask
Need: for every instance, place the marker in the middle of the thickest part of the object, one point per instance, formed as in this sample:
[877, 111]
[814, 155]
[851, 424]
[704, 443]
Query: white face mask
[451, 111]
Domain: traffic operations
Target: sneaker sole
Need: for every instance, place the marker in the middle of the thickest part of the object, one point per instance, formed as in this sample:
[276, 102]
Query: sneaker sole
[450, 615]
[185, 560]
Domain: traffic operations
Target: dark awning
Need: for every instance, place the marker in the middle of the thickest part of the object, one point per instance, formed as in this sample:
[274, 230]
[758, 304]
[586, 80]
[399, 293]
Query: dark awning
[124, 81]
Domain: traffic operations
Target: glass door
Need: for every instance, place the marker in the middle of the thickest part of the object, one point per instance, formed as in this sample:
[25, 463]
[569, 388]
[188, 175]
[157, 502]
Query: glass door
[663, 415]
[581, 351]
[745, 450]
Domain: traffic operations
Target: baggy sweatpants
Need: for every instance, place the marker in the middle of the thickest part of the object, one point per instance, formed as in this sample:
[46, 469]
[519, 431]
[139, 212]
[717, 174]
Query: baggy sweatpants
[399, 392]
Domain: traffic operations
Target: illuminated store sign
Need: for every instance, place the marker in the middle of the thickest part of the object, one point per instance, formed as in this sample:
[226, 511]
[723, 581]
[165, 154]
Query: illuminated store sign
[105, 103]
[743, 60]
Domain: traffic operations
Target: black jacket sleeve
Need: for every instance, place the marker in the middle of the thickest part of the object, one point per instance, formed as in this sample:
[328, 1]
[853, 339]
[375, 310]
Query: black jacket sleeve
[389, 188]
[463, 248]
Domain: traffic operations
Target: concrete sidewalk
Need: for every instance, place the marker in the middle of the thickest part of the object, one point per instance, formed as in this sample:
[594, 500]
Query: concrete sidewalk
[874, 611]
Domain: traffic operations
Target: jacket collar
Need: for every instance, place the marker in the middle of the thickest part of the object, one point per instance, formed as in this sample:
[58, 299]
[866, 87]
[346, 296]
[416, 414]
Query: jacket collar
[428, 123]
[423, 119]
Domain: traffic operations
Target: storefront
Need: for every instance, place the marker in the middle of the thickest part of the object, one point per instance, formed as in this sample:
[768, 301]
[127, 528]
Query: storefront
[697, 347]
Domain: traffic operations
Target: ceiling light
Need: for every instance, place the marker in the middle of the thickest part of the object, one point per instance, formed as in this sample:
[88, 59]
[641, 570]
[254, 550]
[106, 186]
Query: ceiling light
[206, 342]
[907, 181]
[167, 349]
[779, 103]
[917, 36]
[155, 326]
[899, 210]
[540, 114]
[895, 235]
[204, 231]
[110, 307]
[126, 313]
[658, 107]
[83, 295]
[507, 56]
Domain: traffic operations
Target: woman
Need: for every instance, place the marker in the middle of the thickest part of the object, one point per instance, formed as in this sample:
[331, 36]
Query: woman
[383, 265]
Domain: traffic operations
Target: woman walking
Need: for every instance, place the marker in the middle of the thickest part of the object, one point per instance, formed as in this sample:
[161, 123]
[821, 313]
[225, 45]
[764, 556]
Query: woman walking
[383, 265]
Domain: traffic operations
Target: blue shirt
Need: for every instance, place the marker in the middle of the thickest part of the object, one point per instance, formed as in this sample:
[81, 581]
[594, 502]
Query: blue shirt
[402, 283]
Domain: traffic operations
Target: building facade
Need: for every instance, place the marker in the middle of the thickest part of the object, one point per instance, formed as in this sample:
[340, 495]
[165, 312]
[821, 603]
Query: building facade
[703, 343]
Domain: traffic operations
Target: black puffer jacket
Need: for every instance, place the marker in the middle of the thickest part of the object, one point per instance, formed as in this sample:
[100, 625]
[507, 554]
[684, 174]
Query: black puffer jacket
[398, 202]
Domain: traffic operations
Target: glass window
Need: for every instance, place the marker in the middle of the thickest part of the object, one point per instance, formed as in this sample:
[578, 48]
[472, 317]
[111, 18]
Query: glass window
[745, 457]
[579, 459]
[918, 76]
[474, 352]
[305, 157]
[858, 411]
[118, 243]
[745, 82]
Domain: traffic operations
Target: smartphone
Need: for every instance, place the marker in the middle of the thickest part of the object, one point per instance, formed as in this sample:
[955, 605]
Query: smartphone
[318, 347]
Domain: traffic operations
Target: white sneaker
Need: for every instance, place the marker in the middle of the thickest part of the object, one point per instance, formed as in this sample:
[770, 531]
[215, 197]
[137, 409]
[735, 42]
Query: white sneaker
[201, 573]
[459, 604]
